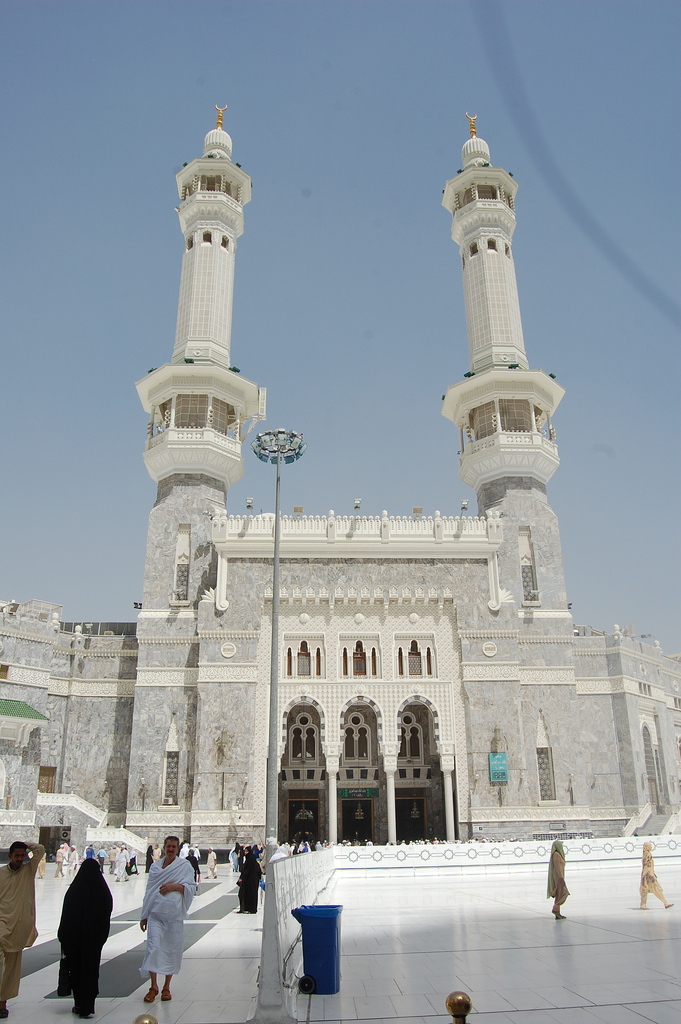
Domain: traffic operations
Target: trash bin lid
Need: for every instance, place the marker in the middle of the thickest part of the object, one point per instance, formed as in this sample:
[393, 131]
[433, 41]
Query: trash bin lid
[329, 910]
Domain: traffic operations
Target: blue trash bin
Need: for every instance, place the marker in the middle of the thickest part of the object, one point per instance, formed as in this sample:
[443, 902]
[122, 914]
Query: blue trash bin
[321, 948]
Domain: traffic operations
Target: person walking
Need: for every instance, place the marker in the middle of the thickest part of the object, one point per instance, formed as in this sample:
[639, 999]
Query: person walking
[17, 915]
[556, 884]
[73, 861]
[251, 873]
[649, 882]
[102, 857]
[170, 890]
[41, 865]
[83, 930]
[212, 863]
[121, 864]
[113, 853]
[59, 862]
[150, 859]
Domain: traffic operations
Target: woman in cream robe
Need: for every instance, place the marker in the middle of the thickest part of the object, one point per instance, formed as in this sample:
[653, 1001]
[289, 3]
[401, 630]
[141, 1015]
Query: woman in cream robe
[556, 885]
[649, 882]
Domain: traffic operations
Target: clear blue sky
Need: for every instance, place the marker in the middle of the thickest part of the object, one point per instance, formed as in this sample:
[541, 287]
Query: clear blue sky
[348, 307]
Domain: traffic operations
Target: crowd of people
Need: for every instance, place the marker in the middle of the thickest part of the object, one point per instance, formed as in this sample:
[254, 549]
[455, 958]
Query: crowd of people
[174, 872]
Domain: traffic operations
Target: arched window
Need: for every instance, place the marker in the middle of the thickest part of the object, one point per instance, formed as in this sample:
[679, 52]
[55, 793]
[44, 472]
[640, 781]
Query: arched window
[492, 244]
[318, 662]
[190, 242]
[207, 236]
[547, 782]
[415, 668]
[359, 660]
[400, 662]
[357, 740]
[345, 661]
[651, 773]
[289, 662]
[171, 777]
[373, 662]
[303, 740]
[304, 667]
[225, 242]
[429, 662]
[411, 739]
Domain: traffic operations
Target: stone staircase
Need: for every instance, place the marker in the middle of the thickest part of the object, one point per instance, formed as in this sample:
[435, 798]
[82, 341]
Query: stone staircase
[111, 835]
[654, 826]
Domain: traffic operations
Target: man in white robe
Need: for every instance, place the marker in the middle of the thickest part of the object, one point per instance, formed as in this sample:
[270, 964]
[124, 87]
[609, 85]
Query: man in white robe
[122, 859]
[170, 891]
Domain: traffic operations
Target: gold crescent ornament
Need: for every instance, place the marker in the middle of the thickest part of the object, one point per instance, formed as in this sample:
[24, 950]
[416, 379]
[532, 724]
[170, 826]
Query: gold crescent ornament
[220, 111]
[471, 123]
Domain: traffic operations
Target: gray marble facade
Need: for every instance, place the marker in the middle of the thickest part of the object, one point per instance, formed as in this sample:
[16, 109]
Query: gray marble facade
[115, 706]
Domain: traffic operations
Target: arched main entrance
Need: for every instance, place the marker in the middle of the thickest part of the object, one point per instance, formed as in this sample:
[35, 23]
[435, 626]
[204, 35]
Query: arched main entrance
[358, 790]
[419, 802]
[302, 791]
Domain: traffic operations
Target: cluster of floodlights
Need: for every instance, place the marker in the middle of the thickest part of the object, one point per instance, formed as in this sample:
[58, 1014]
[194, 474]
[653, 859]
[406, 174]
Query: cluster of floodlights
[274, 445]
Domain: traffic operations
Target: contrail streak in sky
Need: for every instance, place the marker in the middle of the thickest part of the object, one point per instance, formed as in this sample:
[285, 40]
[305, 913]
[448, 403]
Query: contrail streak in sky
[492, 26]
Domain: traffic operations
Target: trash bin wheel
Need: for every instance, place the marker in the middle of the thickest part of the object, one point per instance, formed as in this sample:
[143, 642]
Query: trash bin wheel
[307, 985]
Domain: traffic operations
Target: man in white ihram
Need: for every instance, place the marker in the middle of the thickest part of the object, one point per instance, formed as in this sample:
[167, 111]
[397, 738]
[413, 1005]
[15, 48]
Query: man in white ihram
[170, 891]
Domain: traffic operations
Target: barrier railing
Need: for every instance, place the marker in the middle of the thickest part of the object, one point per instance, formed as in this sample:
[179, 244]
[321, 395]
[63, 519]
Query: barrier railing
[290, 883]
[532, 854]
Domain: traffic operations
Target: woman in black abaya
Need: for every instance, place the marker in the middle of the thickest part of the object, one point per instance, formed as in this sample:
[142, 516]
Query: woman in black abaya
[83, 930]
[250, 881]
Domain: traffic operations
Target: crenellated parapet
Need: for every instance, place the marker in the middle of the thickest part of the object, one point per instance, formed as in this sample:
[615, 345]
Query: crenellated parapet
[359, 536]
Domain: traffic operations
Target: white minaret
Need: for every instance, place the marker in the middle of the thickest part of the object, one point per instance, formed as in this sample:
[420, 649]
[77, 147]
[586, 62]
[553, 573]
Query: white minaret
[503, 409]
[199, 407]
[214, 192]
[197, 403]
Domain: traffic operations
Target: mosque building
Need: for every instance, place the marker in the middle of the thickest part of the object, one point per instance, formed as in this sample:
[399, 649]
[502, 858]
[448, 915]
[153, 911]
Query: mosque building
[432, 681]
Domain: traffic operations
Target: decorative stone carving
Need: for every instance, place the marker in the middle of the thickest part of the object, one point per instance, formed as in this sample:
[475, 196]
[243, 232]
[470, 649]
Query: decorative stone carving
[493, 673]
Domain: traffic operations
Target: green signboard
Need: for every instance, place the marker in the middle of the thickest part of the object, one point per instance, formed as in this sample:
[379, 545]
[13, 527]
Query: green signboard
[357, 794]
[498, 768]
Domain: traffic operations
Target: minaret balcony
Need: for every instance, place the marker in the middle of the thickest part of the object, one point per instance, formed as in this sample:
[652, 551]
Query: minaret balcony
[195, 450]
[509, 453]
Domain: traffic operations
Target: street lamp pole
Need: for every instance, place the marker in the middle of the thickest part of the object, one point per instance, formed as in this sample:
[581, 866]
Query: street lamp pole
[272, 805]
[273, 446]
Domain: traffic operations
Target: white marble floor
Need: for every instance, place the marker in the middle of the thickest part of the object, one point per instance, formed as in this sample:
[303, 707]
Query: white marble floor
[406, 943]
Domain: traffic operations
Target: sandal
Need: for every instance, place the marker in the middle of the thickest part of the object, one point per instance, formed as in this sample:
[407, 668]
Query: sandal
[151, 994]
[165, 995]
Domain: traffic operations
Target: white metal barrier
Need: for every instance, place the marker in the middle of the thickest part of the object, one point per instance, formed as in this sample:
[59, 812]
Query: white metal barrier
[503, 856]
[294, 882]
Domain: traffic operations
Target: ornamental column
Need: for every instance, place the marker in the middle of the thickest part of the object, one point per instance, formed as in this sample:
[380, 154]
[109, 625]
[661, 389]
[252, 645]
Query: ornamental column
[332, 765]
[447, 766]
[390, 767]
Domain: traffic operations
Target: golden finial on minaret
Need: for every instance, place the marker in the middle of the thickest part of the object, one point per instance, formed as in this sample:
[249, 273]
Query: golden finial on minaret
[220, 111]
[471, 122]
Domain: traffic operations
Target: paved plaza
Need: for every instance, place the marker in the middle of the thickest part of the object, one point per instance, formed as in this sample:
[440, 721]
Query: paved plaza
[407, 942]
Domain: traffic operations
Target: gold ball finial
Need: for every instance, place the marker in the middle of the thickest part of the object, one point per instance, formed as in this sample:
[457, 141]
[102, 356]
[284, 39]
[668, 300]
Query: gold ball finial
[220, 111]
[145, 1018]
[459, 1004]
[471, 123]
